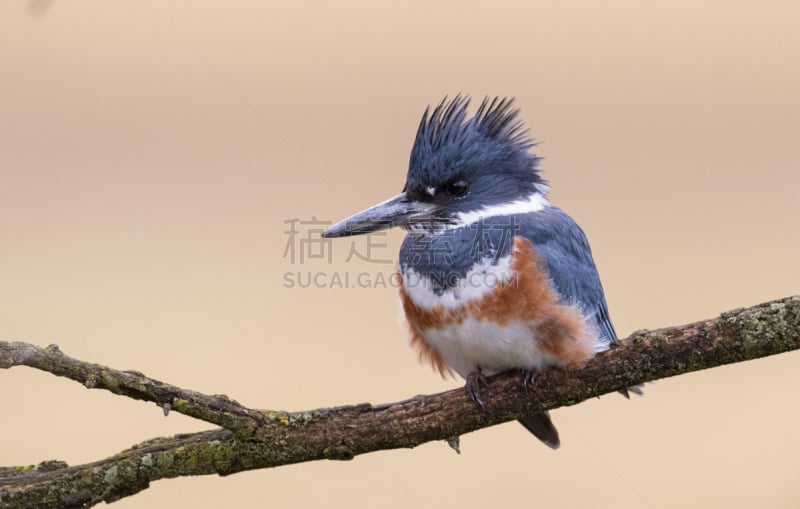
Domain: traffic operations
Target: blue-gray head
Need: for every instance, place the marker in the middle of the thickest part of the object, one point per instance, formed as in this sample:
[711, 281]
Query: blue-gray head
[461, 168]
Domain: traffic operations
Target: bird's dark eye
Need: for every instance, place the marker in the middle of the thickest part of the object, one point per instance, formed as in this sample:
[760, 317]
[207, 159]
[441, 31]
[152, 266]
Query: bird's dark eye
[458, 188]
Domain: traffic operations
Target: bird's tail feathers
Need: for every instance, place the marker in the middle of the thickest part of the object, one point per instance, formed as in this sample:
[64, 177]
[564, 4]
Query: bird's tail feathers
[542, 428]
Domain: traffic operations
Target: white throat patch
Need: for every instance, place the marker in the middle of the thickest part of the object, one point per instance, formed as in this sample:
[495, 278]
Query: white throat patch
[533, 203]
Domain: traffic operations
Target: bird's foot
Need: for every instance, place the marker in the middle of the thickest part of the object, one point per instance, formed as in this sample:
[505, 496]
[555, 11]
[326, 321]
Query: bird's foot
[528, 378]
[473, 387]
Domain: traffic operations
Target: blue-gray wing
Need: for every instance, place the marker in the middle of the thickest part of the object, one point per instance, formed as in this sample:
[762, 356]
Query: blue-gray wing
[563, 246]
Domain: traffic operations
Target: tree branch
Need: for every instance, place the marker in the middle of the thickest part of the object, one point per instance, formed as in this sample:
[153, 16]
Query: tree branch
[252, 439]
[217, 409]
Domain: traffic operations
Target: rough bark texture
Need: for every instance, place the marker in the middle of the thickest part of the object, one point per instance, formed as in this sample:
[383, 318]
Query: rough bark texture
[252, 438]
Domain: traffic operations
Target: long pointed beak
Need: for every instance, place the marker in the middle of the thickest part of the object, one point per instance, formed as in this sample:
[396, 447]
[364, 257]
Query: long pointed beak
[396, 211]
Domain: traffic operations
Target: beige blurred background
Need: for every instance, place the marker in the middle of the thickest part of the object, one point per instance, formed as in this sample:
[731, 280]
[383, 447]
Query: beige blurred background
[151, 152]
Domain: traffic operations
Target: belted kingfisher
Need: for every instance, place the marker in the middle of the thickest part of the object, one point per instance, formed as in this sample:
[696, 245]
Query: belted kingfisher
[492, 276]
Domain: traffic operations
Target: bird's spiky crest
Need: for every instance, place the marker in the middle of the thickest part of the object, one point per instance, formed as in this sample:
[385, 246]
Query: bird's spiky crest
[495, 118]
[490, 150]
